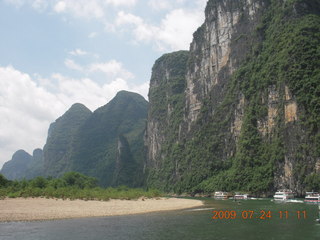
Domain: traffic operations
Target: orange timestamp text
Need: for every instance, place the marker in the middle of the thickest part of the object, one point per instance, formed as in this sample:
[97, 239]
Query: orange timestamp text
[261, 214]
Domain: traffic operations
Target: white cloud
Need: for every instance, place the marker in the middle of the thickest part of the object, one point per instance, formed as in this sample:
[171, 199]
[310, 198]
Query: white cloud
[89, 9]
[78, 52]
[128, 18]
[177, 28]
[81, 8]
[112, 69]
[26, 111]
[27, 108]
[141, 30]
[72, 65]
[60, 7]
[78, 8]
[174, 32]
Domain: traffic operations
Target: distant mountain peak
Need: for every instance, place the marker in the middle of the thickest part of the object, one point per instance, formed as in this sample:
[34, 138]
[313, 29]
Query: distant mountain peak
[16, 167]
[127, 94]
[79, 107]
[20, 154]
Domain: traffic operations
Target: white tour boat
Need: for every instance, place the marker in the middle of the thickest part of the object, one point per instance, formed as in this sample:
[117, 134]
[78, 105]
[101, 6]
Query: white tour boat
[283, 195]
[312, 197]
[221, 195]
[239, 196]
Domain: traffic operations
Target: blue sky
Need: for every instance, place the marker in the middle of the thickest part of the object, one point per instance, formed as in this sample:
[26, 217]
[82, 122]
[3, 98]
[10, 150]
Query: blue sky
[58, 52]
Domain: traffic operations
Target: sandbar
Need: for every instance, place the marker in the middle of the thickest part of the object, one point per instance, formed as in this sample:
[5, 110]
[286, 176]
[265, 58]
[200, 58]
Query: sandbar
[33, 209]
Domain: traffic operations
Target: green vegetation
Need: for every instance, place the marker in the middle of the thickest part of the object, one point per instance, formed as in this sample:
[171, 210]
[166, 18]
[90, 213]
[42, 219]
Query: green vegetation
[95, 145]
[289, 55]
[90, 143]
[167, 86]
[3, 181]
[286, 52]
[87, 142]
[167, 101]
[71, 185]
[312, 182]
[279, 67]
[60, 139]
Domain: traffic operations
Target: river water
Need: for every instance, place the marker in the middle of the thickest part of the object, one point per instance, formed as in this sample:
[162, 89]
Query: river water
[249, 219]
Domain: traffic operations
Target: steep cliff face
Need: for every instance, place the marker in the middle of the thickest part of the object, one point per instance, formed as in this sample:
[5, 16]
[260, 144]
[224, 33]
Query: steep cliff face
[217, 49]
[251, 114]
[125, 171]
[167, 99]
[166, 112]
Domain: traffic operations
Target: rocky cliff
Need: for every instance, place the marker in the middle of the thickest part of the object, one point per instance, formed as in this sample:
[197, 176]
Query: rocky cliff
[167, 99]
[126, 168]
[239, 111]
[219, 46]
[250, 110]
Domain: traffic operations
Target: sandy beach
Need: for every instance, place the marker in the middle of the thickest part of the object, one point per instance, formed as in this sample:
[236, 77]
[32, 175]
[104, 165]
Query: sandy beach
[31, 209]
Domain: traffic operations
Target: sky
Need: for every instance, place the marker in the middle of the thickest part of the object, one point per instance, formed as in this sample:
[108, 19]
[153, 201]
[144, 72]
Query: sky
[54, 53]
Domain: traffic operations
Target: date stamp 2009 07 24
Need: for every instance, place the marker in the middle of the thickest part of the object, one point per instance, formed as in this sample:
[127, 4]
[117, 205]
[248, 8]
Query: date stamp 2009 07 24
[262, 214]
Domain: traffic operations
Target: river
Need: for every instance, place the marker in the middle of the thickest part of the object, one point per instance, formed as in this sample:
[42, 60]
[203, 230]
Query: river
[249, 219]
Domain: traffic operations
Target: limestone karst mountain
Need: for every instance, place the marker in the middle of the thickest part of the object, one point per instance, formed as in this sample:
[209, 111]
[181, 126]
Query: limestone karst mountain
[239, 111]
[248, 116]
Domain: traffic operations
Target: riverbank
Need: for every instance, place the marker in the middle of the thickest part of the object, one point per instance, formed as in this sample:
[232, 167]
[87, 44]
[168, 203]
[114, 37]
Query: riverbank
[32, 209]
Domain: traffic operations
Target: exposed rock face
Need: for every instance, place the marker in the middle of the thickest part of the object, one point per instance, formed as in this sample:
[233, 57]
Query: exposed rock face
[239, 111]
[166, 96]
[246, 105]
[125, 170]
[218, 48]
[317, 168]
[212, 50]
[238, 117]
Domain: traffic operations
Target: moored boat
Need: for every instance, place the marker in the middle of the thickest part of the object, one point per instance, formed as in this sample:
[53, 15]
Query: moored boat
[283, 195]
[221, 195]
[239, 196]
[312, 197]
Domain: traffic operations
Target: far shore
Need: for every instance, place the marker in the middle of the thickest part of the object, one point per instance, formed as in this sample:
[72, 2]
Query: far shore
[33, 209]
